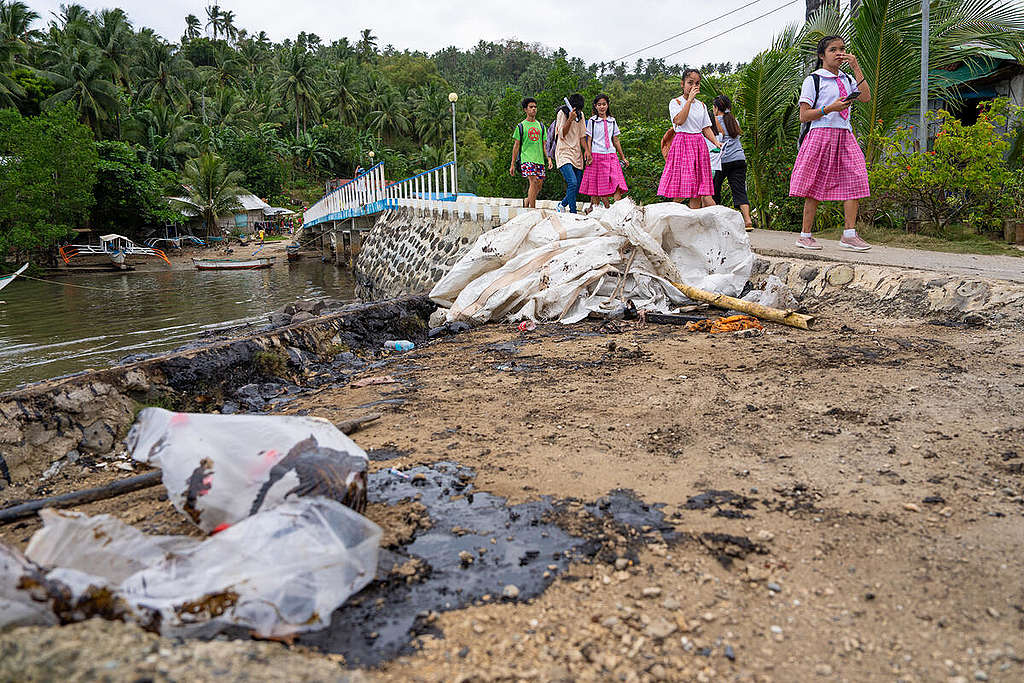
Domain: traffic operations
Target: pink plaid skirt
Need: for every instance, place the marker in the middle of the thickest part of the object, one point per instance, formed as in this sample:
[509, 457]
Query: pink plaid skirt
[830, 167]
[687, 171]
[603, 177]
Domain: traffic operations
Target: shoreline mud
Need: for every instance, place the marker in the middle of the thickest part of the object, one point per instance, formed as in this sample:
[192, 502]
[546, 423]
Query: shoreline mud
[735, 515]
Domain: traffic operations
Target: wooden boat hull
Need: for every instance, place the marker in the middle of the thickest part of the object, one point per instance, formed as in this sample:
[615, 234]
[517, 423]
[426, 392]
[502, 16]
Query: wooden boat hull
[8, 279]
[233, 264]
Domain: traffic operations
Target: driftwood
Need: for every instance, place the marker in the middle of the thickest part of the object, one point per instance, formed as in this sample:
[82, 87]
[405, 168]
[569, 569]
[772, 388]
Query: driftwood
[123, 486]
[349, 426]
[775, 315]
[112, 490]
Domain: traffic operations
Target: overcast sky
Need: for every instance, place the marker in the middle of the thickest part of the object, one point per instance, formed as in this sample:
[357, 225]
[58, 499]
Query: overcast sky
[594, 30]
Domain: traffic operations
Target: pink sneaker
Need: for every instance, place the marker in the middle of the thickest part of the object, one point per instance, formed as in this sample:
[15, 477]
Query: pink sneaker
[808, 243]
[854, 243]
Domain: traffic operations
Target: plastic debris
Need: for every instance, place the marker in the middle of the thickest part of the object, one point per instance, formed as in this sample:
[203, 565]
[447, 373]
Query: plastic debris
[774, 295]
[220, 469]
[527, 326]
[399, 345]
[279, 572]
[732, 323]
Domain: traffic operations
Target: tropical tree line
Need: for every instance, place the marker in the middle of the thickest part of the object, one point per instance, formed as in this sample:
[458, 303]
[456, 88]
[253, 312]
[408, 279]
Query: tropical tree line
[279, 118]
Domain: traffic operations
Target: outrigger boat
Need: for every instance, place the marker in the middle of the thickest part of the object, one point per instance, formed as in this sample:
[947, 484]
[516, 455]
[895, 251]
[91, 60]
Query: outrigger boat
[115, 247]
[8, 279]
[233, 263]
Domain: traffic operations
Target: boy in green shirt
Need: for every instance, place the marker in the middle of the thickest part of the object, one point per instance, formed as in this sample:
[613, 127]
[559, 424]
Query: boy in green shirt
[529, 149]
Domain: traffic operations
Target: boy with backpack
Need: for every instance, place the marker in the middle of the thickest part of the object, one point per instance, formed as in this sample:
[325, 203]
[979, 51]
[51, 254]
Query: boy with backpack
[529, 153]
[565, 144]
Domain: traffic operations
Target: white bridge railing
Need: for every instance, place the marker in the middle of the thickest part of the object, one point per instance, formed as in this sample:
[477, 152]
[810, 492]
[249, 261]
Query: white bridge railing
[369, 193]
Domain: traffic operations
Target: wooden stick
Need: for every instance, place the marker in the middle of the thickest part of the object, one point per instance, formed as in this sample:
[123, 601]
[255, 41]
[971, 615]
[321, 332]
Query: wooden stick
[349, 426]
[112, 490]
[775, 315]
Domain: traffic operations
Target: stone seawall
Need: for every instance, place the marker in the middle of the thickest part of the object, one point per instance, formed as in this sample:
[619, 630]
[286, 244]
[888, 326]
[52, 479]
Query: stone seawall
[409, 250]
[91, 412]
[897, 291]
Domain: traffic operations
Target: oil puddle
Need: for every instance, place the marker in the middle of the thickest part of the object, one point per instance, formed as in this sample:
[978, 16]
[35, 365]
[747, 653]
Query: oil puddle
[476, 545]
[726, 503]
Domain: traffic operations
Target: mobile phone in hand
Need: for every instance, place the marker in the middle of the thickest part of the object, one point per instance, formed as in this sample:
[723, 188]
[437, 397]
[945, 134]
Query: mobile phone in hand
[852, 96]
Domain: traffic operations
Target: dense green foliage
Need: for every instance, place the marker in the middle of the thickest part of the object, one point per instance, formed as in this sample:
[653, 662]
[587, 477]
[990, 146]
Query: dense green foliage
[281, 118]
[47, 171]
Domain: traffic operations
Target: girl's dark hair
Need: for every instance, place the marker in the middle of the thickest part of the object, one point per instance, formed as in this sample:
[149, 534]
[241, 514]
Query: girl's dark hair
[597, 99]
[526, 102]
[822, 46]
[576, 100]
[724, 105]
[687, 72]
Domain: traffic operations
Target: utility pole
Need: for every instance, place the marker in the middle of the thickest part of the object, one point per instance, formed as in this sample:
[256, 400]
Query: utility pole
[922, 126]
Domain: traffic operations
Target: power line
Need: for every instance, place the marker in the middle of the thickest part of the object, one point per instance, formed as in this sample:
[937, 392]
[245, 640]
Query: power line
[718, 35]
[689, 30]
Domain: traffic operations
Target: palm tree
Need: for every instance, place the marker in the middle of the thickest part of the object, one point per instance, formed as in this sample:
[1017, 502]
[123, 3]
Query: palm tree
[341, 94]
[15, 34]
[111, 34]
[82, 77]
[388, 115]
[367, 44]
[812, 7]
[433, 117]
[296, 81]
[192, 27]
[213, 15]
[164, 136]
[212, 190]
[227, 21]
[160, 74]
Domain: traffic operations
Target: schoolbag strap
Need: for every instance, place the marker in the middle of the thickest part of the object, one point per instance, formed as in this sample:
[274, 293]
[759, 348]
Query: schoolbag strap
[817, 88]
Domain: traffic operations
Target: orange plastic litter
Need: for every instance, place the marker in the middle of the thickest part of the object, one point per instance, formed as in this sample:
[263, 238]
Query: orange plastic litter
[733, 323]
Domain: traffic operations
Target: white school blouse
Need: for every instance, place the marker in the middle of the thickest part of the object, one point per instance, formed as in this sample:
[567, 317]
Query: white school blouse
[827, 94]
[696, 121]
[595, 129]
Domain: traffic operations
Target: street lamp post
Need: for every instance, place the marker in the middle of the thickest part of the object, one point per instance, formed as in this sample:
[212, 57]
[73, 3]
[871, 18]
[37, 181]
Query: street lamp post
[453, 98]
[922, 128]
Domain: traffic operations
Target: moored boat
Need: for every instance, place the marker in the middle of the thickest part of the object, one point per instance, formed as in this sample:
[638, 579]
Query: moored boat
[233, 263]
[8, 279]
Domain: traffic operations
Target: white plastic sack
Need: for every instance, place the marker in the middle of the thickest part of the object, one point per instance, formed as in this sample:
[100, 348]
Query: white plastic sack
[549, 266]
[279, 572]
[220, 469]
[774, 295]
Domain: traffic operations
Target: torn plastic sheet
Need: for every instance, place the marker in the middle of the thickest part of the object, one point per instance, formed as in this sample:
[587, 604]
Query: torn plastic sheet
[548, 266]
[278, 572]
[219, 469]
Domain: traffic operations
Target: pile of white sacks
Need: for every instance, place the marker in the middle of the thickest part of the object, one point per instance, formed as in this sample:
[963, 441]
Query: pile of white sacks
[548, 266]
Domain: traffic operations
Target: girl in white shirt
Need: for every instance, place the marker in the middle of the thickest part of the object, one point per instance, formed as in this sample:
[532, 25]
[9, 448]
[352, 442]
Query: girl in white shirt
[603, 176]
[687, 173]
[830, 164]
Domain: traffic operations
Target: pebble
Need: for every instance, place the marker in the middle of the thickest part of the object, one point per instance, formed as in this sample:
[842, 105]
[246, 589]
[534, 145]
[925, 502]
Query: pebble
[621, 563]
[946, 512]
[823, 670]
[511, 592]
[651, 592]
[660, 628]
[773, 587]
[993, 613]
[764, 535]
[466, 557]
[980, 675]
[126, 466]
[730, 654]
[670, 604]
[911, 507]
[776, 629]
[708, 616]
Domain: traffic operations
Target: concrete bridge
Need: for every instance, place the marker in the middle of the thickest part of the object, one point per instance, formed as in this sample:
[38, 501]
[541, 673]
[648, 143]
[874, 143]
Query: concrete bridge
[338, 222]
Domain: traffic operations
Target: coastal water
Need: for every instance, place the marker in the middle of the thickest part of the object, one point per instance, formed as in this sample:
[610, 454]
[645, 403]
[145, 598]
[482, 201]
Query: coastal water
[73, 323]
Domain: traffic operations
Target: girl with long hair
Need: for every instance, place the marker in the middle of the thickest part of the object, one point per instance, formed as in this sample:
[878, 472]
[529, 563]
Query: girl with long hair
[603, 176]
[830, 164]
[734, 161]
[687, 173]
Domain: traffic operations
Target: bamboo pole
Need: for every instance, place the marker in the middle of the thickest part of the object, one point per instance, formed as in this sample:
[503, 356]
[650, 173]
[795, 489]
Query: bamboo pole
[775, 315]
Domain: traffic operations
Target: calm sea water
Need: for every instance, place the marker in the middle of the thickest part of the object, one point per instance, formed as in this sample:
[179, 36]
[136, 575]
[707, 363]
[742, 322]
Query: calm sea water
[48, 329]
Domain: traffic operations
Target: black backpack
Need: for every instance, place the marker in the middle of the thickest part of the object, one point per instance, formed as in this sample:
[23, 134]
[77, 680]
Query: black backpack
[519, 157]
[805, 127]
